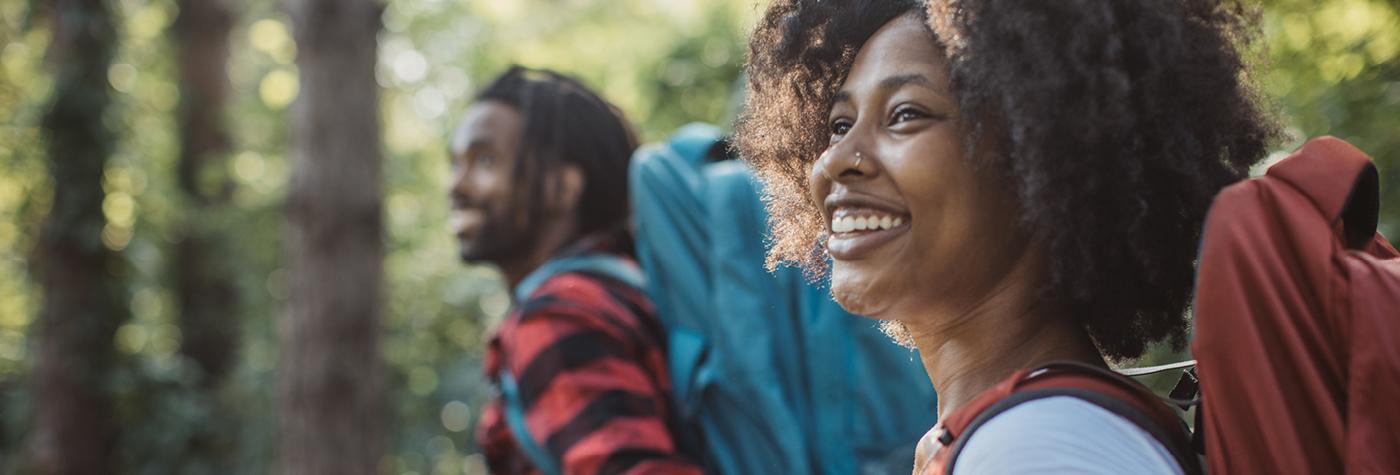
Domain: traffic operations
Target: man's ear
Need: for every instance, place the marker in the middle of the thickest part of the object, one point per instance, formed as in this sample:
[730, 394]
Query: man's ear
[565, 199]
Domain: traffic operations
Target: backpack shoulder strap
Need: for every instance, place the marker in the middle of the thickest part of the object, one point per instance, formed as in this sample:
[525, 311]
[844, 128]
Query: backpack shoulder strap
[1103, 388]
[606, 265]
[515, 419]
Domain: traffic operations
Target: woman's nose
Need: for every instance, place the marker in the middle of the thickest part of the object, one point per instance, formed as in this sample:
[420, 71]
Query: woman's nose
[844, 162]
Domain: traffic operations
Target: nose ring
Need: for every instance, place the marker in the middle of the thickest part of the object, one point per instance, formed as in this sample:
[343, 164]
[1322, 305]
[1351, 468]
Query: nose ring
[856, 164]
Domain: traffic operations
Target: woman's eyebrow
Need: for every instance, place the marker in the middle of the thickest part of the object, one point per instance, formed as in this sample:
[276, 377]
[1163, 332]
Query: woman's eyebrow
[893, 83]
[841, 96]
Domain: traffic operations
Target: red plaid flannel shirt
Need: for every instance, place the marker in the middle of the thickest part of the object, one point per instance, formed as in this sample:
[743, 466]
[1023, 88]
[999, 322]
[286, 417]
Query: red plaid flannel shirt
[589, 358]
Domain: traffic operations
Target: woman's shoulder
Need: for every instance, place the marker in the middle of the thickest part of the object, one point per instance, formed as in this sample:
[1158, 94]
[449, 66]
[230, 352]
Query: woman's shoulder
[1062, 434]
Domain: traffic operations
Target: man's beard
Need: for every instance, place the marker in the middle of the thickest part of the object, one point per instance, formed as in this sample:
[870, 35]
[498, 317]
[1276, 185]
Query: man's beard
[498, 241]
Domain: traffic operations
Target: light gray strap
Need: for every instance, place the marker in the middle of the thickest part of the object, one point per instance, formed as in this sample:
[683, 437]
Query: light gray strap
[1156, 369]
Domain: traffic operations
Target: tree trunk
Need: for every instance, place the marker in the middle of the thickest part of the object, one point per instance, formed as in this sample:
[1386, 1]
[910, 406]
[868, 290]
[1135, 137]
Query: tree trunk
[82, 297]
[202, 274]
[332, 403]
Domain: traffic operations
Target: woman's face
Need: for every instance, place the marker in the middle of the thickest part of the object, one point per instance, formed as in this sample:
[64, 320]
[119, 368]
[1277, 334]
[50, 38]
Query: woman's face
[915, 227]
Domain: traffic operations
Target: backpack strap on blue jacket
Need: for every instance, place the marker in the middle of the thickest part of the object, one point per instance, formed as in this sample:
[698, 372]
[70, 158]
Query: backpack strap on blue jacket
[515, 418]
[606, 265]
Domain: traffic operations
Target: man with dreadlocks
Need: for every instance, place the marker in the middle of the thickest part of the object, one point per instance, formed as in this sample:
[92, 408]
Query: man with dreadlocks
[539, 190]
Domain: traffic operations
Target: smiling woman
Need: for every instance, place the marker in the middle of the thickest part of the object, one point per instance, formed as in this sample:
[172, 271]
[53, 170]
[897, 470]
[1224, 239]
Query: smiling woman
[1008, 195]
[895, 108]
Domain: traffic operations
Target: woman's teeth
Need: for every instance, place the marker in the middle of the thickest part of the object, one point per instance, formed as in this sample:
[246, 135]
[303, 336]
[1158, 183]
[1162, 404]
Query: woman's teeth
[865, 223]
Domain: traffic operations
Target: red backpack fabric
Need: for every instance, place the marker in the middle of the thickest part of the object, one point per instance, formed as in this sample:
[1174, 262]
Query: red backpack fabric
[1298, 321]
[1116, 393]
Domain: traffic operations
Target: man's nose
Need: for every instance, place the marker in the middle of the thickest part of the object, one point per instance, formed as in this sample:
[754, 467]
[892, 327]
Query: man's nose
[458, 188]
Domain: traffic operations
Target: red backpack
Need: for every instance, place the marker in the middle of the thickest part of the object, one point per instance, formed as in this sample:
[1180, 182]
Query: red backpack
[1298, 321]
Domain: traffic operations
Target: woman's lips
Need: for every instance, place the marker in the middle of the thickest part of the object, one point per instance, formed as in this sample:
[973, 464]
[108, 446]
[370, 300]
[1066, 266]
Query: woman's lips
[846, 220]
[856, 232]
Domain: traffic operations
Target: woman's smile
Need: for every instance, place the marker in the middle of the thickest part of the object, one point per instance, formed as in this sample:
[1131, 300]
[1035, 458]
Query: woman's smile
[858, 225]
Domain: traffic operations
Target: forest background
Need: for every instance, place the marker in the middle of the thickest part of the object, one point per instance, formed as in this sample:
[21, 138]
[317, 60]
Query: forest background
[149, 175]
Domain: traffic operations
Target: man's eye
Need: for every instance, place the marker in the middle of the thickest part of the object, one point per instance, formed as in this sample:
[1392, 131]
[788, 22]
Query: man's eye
[485, 160]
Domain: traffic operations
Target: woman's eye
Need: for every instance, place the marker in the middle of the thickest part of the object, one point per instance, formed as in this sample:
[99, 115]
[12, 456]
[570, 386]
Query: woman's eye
[840, 127]
[906, 114]
[485, 160]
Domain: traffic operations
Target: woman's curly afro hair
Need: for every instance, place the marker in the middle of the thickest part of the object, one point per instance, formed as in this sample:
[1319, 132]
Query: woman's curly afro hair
[1115, 121]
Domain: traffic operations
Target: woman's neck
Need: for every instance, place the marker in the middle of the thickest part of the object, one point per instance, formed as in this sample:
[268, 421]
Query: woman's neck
[968, 350]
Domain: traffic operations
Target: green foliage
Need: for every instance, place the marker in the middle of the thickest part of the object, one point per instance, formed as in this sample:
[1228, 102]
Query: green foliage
[1334, 69]
[24, 198]
[1331, 70]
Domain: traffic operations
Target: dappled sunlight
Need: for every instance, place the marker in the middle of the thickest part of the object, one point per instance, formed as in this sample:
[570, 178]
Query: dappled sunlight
[1333, 68]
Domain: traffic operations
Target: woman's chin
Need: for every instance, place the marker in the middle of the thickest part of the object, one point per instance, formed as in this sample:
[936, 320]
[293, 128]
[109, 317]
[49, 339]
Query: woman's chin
[856, 302]
[854, 294]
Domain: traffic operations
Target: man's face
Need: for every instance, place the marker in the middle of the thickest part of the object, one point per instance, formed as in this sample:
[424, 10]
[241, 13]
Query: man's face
[484, 149]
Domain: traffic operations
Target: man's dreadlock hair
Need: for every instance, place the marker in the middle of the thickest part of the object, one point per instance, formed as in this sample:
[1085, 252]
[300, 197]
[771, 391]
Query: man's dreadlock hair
[565, 122]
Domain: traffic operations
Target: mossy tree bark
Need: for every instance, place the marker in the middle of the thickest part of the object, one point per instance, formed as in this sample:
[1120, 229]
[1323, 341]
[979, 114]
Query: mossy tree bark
[202, 271]
[83, 301]
[332, 391]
